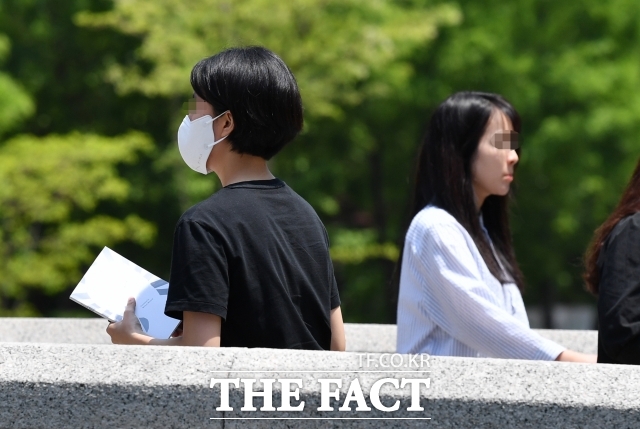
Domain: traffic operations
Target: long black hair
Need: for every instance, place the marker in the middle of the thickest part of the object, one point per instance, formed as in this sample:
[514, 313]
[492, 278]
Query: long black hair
[443, 176]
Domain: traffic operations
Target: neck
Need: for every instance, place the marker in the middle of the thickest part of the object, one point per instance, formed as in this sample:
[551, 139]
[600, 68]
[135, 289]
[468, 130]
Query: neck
[478, 198]
[234, 167]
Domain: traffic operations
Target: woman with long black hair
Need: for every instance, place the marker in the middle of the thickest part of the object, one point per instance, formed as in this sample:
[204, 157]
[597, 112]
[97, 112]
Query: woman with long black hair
[613, 275]
[460, 285]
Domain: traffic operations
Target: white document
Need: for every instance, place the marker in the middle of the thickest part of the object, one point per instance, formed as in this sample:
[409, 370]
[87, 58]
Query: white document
[112, 279]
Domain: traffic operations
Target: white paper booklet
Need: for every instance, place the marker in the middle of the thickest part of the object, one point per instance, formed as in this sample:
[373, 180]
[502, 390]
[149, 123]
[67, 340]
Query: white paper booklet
[112, 279]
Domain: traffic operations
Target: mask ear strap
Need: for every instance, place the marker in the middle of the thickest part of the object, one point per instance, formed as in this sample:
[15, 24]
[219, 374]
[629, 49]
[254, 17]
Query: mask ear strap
[210, 122]
[220, 115]
[216, 142]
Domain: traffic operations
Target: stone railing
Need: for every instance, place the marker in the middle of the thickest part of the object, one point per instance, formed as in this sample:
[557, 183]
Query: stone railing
[82, 382]
[360, 337]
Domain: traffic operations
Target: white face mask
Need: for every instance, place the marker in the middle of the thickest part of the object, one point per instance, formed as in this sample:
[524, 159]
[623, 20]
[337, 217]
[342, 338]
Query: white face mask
[195, 141]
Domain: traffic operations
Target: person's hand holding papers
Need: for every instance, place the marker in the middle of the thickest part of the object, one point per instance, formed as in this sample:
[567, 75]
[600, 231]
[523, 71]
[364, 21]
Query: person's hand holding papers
[198, 329]
[128, 330]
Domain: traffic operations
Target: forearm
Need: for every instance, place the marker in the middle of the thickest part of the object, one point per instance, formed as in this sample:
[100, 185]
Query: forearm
[338, 340]
[571, 356]
[338, 343]
[175, 341]
[513, 342]
[199, 330]
[488, 329]
[446, 284]
[146, 340]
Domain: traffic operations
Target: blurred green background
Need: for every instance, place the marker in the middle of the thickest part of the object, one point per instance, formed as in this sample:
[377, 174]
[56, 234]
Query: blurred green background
[90, 103]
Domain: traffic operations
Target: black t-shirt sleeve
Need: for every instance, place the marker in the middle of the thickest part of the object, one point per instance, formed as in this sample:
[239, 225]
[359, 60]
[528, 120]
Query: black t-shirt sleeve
[619, 294]
[199, 272]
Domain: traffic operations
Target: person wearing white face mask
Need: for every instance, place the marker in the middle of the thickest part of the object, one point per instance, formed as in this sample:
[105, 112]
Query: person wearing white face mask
[250, 265]
[196, 139]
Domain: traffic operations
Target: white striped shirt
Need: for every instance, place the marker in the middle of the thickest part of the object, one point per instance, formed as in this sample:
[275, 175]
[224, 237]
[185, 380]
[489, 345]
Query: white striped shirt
[451, 305]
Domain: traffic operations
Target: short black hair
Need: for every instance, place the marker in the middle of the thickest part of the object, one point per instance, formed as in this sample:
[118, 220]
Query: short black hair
[261, 93]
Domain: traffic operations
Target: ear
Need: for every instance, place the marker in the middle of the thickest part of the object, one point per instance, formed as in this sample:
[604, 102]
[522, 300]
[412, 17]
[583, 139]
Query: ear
[226, 124]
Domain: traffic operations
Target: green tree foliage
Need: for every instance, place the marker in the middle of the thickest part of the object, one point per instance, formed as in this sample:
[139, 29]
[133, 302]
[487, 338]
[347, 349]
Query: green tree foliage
[370, 73]
[572, 71]
[15, 103]
[52, 192]
[50, 189]
[337, 48]
[61, 66]
[352, 60]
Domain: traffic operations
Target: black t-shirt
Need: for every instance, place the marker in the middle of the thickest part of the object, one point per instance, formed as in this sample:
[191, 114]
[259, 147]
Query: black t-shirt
[619, 294]
[257, 255]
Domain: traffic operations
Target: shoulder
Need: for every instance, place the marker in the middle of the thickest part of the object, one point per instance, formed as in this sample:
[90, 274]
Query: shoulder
[283, 200]
[434, 233]
[302, 203]
[234, 201]
[302, 214]
[436, 223]
[630, 224]
[197, 212]
[432, 215]
[250, 203]
[288, 192]
[626, 231]
[207, 212]
[438, 240]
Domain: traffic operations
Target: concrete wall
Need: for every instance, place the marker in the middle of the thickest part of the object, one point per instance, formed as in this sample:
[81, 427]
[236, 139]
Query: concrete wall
[360, 337]
[71, 384]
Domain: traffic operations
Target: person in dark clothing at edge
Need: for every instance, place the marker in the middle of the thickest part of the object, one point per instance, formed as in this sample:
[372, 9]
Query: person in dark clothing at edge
[250, 264]
[613, 275]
